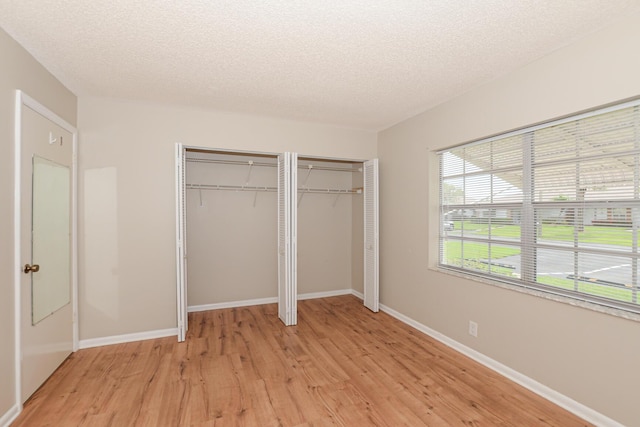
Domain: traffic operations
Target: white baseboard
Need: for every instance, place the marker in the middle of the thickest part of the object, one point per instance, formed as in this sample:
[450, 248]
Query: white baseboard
[269, 300]
[9, 416]
[327, 294]
[357, 294]
[540, 389]
[119, 339]
[232, 304]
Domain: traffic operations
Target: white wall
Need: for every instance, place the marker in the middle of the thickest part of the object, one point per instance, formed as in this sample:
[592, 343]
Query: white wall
[127, 211]
[588, 356]
[18, 71]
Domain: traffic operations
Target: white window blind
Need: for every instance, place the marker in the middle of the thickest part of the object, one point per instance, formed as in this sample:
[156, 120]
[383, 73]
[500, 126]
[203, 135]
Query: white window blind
[554, 207]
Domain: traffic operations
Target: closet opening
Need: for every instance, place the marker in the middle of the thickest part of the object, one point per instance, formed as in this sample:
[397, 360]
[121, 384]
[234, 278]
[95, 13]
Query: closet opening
[231, 228]
[256, 228]
[330, 234]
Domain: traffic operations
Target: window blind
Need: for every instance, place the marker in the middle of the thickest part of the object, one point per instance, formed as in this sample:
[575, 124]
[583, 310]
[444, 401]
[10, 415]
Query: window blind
[554, 207]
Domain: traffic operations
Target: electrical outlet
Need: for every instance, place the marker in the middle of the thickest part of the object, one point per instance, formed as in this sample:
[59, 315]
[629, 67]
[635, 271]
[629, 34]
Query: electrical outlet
[473, 328]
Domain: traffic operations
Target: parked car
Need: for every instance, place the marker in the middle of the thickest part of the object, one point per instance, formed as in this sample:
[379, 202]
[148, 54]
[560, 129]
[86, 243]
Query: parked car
[449, 226]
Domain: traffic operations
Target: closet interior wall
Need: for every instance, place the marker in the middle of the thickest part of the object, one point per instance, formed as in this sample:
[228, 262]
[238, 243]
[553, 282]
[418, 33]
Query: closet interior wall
[231, 233]
[330, 226]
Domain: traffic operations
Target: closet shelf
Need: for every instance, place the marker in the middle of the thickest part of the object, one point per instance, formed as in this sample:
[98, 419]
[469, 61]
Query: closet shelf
[230, 187]
[233, 162]
[330, 190]
[271, 189]
[270, 164]
[329, 168]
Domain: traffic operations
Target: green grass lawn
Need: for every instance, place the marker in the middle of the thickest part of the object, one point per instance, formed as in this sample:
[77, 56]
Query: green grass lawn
[497, 230]
[475, 255]
[591, 234]
[473, 250]
[588, 288]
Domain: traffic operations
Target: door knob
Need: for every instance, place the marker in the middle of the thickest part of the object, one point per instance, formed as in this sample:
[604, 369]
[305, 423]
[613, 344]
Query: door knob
[31, 268]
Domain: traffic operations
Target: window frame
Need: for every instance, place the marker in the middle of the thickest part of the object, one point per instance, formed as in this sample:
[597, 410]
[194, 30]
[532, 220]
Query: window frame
[528, 245]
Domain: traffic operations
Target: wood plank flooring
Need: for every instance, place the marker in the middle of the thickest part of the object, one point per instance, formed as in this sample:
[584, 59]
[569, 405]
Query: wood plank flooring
[342, 365]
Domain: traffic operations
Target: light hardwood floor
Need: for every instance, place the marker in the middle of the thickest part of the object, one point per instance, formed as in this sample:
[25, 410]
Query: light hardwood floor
[342, 365]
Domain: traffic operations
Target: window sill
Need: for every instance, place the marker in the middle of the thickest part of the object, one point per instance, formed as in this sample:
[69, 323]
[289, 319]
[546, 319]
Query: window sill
[546, 295]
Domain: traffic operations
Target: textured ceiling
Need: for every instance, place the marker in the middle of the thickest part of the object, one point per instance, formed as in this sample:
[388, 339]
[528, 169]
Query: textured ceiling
[359, 63]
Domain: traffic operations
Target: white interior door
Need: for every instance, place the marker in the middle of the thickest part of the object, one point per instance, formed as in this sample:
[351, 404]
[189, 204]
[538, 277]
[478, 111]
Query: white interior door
[371, 256]
[46, 249]
[292, 287]
[181, 244]
[287, 212]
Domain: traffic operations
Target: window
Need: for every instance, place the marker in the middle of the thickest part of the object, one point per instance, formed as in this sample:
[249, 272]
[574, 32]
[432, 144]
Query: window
[555, 207]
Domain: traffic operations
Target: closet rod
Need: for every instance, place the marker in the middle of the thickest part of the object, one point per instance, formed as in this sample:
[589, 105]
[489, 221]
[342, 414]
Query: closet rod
[229, 187]
[273, 165]
[329, 191]
[256, 188]
[329, 168]
[232, 162]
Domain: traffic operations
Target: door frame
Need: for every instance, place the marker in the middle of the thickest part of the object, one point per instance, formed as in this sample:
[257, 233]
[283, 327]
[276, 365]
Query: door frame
[181, 149]
[23, 100]
[371, 285]
[181, 244]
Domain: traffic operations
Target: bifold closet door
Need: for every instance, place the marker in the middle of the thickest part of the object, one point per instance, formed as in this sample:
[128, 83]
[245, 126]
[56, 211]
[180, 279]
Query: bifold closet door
[287, 238]
[181, 243]
[371, 257]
